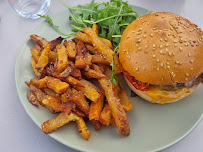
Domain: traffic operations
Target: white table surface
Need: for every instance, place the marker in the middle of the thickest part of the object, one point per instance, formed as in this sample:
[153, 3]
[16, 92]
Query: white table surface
[17, 131]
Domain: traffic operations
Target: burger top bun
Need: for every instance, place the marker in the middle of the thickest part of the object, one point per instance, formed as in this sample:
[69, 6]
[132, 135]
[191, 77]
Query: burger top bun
[162, 49]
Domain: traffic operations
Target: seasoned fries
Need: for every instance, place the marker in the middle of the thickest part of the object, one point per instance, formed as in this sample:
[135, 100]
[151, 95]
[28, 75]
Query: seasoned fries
[62, 58]
[102, 48]
[63, 83]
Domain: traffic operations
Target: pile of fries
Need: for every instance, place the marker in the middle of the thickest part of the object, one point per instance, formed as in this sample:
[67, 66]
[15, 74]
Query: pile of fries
[64, 73]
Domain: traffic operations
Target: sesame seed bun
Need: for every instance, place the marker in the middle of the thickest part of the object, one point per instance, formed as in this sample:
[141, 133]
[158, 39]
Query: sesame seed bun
[162, 49]
[159, 96]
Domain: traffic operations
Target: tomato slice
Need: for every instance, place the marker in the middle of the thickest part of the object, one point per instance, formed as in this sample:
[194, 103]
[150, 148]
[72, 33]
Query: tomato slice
[137, 84]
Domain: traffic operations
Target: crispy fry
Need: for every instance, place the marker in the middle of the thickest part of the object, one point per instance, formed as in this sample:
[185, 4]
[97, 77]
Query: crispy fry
[37, 92]
[50, 92]
[53, 55]
[99, 67]
[93, 74]
[97, 124]
[32, 98]
[53, 124]
[95, 28]
[113, 123]
[82, 128]
[106, 51]
[53, 83]
[88, 59]
[74, 82]
[39, 40]
[55, 42]
[118, 112]
[84, 37]
[74, 71]
[79, 60]
[79, 99]
[90, 92]
[35, 53]
[44, 57]
[78, 112]
[105, 116]
[55, 105]
[62, 58]
[33, 62]
[99, 59]
[124, 99]
[91, 49]
[70, 46]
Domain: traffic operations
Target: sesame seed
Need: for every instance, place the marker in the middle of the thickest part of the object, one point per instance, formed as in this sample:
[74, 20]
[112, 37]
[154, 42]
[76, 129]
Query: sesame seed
[161, 39]
[167, 63]
[161, 46]
[137, 69]
[158, 69]
[144, 36]
[158, 60]
[154, 45]
[175, 66]
[186, 78]
[124, 50]
[146, 46]
[172, 73]
[140, 29]
[175, 44]
[168, 67]
[169, 34]
[175, 41]
[191, 69]
[169, 53]
[168, 59]
[153, 49]
[162, 64]
[180, 48]
[177, 62]
[136, 44]
[161, 52]
[153, 56]
[153, 28]
[127, 37]
[189, 54]
[162, 78]
[160, 30]
[151, 35]
[167, 44]
[133, 31]
[166, 40]
[191, 61]
[139, 48]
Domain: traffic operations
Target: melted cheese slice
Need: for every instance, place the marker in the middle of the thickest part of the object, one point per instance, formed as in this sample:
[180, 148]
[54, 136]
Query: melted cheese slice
[162, 97]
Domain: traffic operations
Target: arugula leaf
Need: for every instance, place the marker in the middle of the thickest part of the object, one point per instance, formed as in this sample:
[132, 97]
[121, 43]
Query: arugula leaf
[49, 20]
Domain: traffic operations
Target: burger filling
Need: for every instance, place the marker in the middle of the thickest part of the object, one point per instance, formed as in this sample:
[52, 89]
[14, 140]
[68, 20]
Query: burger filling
[145, 86]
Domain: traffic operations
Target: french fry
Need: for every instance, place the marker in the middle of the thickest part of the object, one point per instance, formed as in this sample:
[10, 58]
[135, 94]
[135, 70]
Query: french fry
[118, 112]
[74, 71]
[74, 82]
[44, 57]
[53, 124]
[55, 105]
[97, 124]
[99, 67]
[93, 74]
[106, 51]
[70, 46]
[124, 99]
[53, 83]
[33, 62]
[99, 59]
[91, 49]
[95, 28]
[78, 112]
[86, 39]
[35, 53]
[90, 92]
[39, 40]
[53, 55]
[112, 122]
[105, 117]
[88, 59]
[32, 98]
[79, 59]
[79, 99]
[36, 91]
[82, 128]
[62, 58]
[50, 92]
[55, 42]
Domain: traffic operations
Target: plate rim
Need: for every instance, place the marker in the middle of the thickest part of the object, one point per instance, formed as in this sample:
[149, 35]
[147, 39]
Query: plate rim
[55, 137]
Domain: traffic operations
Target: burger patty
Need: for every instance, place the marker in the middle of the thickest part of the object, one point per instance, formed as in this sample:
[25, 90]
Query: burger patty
[178, 86]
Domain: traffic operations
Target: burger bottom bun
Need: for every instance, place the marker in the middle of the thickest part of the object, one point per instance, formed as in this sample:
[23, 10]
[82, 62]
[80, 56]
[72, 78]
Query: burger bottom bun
[162, 98]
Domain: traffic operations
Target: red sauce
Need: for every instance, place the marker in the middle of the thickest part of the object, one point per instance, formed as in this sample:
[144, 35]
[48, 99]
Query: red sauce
[137, 84]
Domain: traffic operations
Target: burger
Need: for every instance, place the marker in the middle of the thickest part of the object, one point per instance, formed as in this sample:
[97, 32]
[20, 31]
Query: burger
[162, 57]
